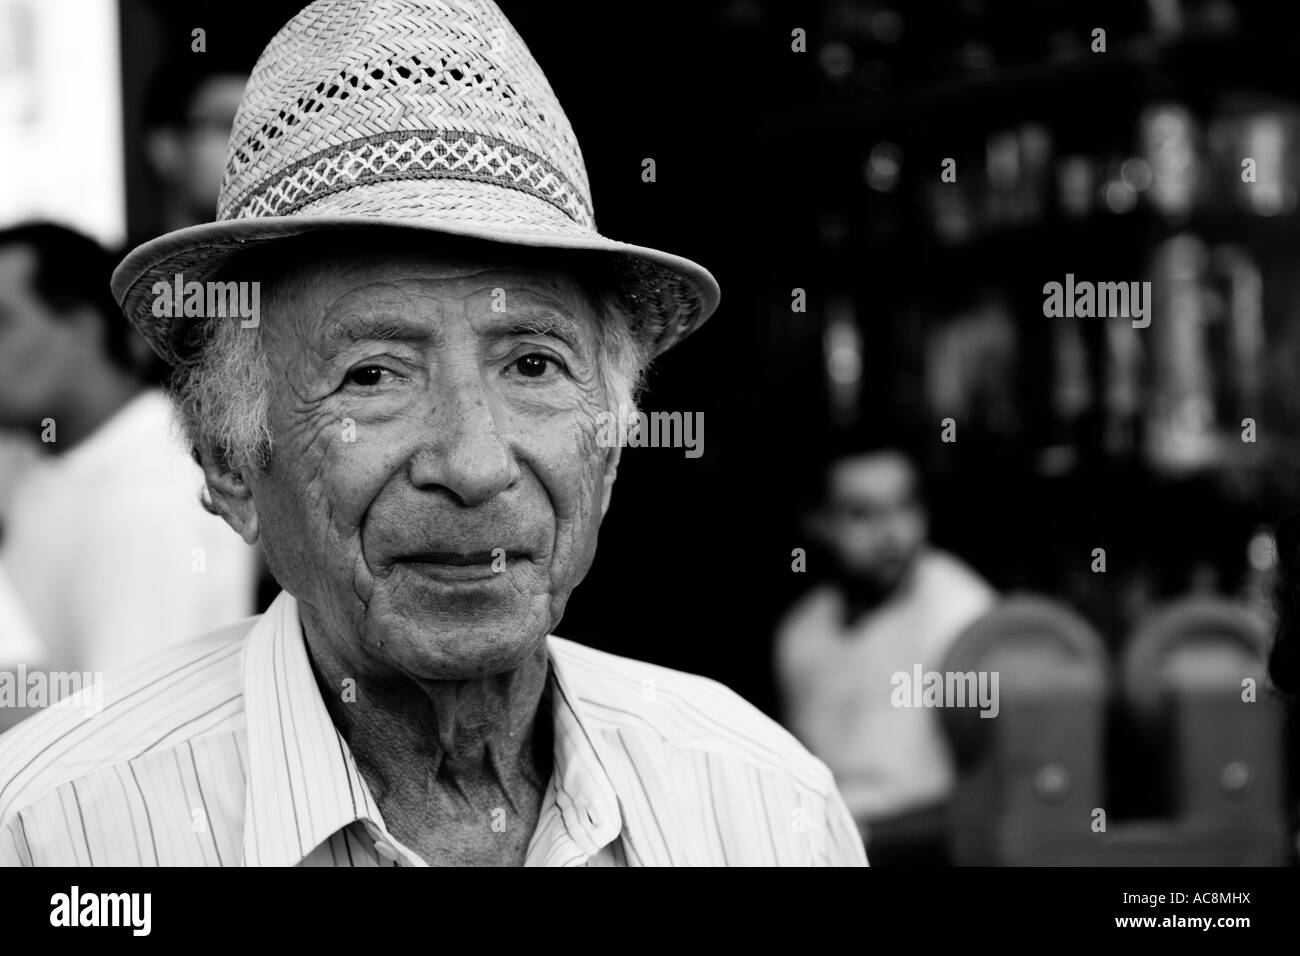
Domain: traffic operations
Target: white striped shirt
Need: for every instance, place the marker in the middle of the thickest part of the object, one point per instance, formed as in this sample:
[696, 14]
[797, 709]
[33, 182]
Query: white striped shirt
[221, 753]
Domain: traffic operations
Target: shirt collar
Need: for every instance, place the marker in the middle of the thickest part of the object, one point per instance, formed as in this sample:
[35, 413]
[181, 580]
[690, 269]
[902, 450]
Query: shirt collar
[589, 816]
[304, 786]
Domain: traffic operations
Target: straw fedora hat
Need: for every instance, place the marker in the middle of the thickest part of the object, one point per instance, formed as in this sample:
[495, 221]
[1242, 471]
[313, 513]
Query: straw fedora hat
[418, 114]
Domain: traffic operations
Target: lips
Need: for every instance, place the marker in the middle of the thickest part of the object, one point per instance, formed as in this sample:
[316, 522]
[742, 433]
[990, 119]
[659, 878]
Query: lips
[460, 565]
[457, 559]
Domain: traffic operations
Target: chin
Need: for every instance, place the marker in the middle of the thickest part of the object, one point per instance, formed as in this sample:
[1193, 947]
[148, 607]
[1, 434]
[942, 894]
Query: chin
[445, 643]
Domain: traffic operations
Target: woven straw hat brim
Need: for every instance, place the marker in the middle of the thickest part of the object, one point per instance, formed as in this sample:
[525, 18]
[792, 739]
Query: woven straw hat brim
[674, 296]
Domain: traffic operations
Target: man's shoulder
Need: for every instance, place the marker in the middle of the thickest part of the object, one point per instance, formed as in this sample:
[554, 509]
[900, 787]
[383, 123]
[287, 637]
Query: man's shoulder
[145, 483]
[955, 596]
[813, 615]
[818, 600]
[961, 586]
[686, 712]
[172, 698]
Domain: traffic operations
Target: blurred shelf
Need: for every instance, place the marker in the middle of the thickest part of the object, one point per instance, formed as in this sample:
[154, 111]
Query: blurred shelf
[1187, 67]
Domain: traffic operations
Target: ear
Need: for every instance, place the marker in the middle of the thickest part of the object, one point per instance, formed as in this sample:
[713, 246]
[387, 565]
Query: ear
[229, 494]
[607, 481]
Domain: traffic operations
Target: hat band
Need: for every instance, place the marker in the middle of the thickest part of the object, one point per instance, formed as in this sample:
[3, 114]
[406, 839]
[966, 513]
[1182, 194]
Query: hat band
[408, 155]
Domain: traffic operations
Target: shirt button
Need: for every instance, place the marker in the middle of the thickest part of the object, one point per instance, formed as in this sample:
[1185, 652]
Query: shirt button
[387, 851]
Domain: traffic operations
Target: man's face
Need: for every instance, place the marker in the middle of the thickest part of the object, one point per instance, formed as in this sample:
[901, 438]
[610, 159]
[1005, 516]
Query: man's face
[435, 486]
[874, 521]
[39, 354]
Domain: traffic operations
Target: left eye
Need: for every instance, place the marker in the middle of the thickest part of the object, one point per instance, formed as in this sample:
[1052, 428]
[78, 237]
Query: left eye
[367, 376]
[533, 366]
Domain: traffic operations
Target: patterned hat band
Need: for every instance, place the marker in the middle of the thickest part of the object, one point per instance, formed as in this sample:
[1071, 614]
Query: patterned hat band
[412, 155]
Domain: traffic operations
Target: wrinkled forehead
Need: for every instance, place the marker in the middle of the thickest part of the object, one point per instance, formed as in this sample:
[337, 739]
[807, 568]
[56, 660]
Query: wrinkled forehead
[333, 278]
[313, 294]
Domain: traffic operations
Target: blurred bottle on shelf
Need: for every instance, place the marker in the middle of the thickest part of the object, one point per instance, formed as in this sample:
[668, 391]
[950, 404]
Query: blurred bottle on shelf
[1241, 355]
[1253, 143]
[971, 367]
[1168, 137]
[1180, 428]
[1123, 371]
[842, 344]
[1259, 587]
[1076, 186]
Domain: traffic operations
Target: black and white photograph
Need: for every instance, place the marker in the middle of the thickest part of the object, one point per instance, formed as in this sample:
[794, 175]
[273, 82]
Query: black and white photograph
[853, 434]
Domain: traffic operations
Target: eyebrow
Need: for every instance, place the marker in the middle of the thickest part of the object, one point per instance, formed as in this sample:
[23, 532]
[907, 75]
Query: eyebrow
[339, 335]
[547, 323]
[348, 331]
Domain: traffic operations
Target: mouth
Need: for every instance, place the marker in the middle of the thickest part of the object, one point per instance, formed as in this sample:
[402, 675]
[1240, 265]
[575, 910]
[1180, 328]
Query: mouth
[456, 566]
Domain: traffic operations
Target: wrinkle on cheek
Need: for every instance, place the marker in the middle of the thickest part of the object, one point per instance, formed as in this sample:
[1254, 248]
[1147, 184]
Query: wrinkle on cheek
[313, 447]
[375, 462]
[368, 472]
[593, 456]
[574, 472]
[590, 385]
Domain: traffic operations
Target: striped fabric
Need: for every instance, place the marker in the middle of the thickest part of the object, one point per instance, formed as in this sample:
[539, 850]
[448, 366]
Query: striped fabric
[222, 753]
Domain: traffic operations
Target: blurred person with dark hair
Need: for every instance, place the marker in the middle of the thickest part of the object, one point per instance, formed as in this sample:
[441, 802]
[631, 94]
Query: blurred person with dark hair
[889, 601]
[104, 546]
[188, 112]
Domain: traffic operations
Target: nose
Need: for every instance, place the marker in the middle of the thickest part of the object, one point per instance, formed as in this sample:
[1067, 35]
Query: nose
[466, 455]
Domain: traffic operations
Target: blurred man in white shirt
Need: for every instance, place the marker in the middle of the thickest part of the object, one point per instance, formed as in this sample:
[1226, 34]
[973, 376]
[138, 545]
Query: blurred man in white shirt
[891, 602]
[105, 546]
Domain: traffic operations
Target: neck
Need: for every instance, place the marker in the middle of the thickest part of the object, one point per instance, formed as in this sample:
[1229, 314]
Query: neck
[862, 596]
[93, 398]
[467, 746]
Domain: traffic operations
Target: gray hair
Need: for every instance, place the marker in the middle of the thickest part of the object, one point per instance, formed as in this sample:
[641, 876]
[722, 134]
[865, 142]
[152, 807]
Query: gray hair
[223, 390]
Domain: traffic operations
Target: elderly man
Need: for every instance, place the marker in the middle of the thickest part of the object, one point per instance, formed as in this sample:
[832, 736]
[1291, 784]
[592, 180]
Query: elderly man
[410, 428]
